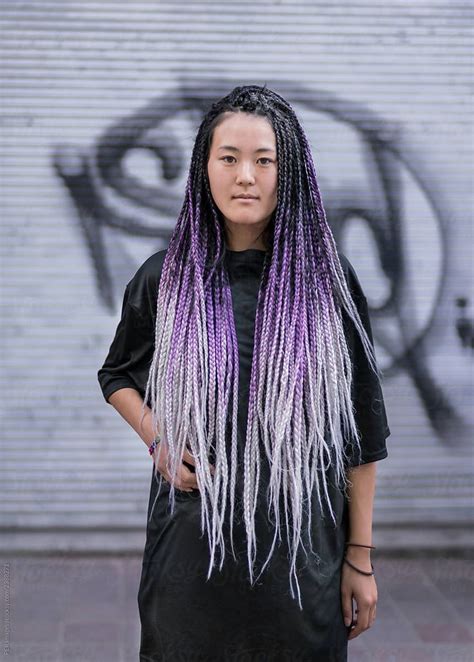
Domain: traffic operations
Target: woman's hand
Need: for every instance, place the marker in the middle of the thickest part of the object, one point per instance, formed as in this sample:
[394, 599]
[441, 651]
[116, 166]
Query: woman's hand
[361, 588]
[185, 478]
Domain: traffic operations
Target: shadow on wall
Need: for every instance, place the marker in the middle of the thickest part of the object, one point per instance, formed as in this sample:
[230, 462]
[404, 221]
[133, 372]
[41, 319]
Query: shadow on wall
[131, 183]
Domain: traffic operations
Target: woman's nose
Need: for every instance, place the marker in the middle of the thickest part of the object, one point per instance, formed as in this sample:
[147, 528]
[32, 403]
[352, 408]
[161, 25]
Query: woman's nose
[245, 174]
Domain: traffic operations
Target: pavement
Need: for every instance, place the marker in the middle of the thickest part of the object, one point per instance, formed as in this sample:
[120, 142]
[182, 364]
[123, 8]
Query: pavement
[79, 608]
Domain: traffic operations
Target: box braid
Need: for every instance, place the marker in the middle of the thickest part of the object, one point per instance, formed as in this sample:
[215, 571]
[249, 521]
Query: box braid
[300, 409]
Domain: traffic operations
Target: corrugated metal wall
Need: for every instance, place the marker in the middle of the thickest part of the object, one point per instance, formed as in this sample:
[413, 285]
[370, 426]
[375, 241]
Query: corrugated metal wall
[384, 91]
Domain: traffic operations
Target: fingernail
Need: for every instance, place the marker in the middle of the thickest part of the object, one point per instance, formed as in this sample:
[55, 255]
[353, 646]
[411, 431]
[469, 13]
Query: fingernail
[347, 621]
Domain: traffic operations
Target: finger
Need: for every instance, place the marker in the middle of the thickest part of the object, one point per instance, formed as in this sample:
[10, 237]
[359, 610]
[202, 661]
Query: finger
[355, 625]
[346, 600]
[361, 623]
[364, 618]
[190, 459]
[372, 615]
[186, 479]
[178, 483]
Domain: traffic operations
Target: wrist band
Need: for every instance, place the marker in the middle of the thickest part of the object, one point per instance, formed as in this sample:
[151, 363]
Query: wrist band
[362, 572]
[154, 444]
[357, 545]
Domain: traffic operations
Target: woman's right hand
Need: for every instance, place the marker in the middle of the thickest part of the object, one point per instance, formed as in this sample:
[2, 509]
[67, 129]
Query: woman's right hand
[185, 478]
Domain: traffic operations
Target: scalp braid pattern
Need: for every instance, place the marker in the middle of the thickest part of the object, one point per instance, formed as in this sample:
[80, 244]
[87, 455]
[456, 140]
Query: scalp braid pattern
[300, 412]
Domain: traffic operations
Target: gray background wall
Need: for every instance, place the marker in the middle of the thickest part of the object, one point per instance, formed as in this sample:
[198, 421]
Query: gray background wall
[100, 105]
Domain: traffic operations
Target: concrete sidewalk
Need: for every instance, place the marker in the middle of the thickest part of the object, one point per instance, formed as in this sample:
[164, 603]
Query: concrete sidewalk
[83, 608]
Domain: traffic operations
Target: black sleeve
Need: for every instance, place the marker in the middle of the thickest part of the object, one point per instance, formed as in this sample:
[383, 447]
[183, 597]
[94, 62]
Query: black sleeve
[367, 395]
[131, 352]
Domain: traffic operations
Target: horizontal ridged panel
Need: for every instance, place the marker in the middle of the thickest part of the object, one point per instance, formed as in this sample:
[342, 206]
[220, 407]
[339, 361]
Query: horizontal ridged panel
[70, 71]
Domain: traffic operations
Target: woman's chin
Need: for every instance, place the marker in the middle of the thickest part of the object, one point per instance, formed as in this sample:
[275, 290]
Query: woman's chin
[245, 220]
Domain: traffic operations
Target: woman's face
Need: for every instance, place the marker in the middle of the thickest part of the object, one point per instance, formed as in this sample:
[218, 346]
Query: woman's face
[242, 160]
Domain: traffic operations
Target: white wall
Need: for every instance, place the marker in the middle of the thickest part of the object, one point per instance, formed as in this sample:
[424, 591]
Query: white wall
[384, 92]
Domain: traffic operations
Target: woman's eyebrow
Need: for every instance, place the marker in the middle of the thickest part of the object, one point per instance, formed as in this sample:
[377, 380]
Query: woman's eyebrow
[236, 149]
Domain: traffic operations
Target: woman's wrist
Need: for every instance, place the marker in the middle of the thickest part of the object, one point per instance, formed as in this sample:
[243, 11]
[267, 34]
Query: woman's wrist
[358, 553]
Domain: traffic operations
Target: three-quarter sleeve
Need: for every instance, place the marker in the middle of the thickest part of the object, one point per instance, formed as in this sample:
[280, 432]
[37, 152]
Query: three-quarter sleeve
[129, 357]
[367, 395]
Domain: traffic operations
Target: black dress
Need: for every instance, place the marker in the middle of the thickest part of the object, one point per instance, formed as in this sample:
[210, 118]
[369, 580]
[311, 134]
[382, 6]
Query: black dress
[185, 617]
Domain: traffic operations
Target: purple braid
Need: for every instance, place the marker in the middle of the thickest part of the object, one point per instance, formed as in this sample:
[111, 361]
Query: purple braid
[300, 413]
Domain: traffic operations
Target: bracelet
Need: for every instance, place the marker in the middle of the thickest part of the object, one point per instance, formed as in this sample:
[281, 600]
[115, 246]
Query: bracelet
[362, 572]
[357, 545]
[154, 444]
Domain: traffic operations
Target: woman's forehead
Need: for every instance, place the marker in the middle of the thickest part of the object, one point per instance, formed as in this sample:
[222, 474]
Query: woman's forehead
[243, 130]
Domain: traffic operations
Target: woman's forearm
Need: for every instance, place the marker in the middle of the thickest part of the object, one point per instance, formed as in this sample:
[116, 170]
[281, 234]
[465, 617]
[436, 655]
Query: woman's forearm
[361, 492]
[128, 402]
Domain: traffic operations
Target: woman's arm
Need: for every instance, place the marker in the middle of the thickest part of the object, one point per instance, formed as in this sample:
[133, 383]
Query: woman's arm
[354, 585]
[361, 492]
[128, 402]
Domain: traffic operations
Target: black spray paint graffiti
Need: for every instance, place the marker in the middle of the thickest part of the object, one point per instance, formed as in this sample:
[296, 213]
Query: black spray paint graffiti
[107, 195]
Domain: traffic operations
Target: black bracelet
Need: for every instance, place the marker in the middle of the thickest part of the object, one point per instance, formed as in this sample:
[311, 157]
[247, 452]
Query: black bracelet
[355, 544]
[362, 572]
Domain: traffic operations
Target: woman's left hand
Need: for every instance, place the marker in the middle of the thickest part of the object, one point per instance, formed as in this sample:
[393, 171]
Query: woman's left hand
[361, 588]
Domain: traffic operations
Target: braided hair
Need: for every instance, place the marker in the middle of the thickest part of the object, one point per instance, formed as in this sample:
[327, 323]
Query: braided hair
[300, 410]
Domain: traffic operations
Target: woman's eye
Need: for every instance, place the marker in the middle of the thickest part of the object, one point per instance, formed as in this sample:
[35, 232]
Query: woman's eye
[263, 158]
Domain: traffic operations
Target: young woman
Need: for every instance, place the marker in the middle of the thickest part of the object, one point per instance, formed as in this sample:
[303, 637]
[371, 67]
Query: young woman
[244, 360]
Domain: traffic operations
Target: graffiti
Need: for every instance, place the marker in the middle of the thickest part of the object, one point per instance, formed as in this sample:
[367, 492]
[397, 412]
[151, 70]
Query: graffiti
[464, 324]
[132, 181]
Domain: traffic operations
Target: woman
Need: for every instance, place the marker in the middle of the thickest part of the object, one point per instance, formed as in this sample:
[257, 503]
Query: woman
[244, 360]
